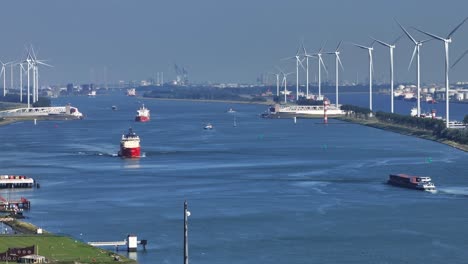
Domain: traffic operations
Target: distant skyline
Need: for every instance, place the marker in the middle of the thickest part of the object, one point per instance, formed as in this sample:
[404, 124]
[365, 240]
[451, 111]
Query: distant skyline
[227, 41]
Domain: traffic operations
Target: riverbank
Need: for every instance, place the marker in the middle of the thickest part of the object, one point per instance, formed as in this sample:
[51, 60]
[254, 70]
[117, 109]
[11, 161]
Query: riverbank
[56, 248]
[404, 130]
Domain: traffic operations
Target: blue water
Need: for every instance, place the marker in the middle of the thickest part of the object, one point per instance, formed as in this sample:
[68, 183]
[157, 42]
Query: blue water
[266, 191]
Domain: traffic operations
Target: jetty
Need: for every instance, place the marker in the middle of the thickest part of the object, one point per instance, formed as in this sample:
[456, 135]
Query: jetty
[131, 242]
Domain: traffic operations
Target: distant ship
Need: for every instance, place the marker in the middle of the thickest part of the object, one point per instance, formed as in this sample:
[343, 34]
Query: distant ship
[92, 94]
[130, 145]
[131, 92]
[16, 181]
[412, 182]
[314, 111]
[143, 114]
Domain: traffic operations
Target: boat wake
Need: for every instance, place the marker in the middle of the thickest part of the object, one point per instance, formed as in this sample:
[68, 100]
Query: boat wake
[93, 153]
[463, 191]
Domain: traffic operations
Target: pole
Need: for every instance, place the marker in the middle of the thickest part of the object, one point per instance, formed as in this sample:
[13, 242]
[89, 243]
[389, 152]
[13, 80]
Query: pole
[319, 77]
[297, 78]
[336, 78]
[185, 234]
[419, 82]
[370, 79]
[447, 84]
[307, 77]
[391, 78]
[29, 93]
[21, 81]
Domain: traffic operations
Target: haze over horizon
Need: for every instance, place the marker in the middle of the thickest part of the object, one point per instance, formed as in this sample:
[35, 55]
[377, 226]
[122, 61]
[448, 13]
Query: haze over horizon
[227, 41]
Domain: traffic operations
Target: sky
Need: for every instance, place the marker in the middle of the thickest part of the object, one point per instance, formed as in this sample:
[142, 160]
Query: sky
[226, 41]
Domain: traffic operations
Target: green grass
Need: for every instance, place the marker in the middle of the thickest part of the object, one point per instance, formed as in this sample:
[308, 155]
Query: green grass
[60, 249]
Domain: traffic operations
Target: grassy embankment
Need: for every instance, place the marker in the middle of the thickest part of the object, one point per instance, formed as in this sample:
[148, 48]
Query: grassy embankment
[405, 130]
[57, 249]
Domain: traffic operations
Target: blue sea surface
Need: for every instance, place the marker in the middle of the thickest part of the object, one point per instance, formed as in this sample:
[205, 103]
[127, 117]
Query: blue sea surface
[265, 191]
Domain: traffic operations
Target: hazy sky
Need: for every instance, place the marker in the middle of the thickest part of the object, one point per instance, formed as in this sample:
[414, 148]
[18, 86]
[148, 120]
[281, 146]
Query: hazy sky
[224, 41]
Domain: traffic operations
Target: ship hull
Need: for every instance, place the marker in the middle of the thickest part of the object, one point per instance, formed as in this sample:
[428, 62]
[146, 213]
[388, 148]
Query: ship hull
[406, 185]
[142, 119]
[130, 152]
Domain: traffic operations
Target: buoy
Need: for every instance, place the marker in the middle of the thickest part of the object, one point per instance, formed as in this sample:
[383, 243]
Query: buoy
[295, 120]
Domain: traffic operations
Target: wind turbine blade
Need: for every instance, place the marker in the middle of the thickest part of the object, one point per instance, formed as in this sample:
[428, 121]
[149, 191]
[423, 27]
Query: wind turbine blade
[323, 64]
[339, 60]
[288, 58]
[412, 57]
[323, 45]
[430, 35]
[339, 44]
[397, 39]
[381, 42]
[407, 33]
[426, 40]
[456, 28]
[45, 64]
[360, 46]
[459, 59]
[302, 65]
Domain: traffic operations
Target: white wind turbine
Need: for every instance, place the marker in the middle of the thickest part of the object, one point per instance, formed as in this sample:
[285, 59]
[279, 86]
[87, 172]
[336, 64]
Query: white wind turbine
[337, 61]
[320, 64]
[391, 48]
[35, 68]
[446, 41]
[417, 51]
[3, 71]
[307, 56]
[298, 62]
[277, 83]
[285, 77]
[371, 69]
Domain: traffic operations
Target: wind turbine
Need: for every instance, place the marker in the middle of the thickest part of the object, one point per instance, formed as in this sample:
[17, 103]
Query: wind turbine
[337, 61]
[285, 76]
[392, 47]
[446, 41]
[417, 47]
[307, 56]
[3, 72]
[320, 64]
[35, 64]
[277, 83]
[371, 69]
[298, 62]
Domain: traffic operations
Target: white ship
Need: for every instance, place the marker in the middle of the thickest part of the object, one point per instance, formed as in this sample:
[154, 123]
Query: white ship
[311, 111]
[46, 112]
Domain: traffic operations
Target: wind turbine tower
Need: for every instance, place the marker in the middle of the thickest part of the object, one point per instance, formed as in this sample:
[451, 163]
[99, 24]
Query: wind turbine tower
[337, 61]
[371, 69]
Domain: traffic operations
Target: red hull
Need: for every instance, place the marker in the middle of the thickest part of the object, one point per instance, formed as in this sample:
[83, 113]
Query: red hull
[142, 119]
[130, 152]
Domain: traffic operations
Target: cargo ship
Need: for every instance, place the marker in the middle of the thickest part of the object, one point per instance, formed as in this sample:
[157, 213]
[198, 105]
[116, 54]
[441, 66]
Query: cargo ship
[422, 183]
[130, 145]
[143, 114]
[16, 181]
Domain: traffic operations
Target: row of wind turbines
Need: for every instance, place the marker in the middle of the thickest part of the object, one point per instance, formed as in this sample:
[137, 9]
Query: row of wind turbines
[29, 68]
[301, 56]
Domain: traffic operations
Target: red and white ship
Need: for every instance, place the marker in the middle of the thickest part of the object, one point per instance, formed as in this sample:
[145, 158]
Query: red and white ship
[143, 114]
[131, 92]
[130, 145]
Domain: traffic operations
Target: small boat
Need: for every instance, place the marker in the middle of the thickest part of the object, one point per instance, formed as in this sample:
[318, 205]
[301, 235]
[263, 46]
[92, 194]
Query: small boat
[231, 111]
[422, 183]
[143, 114]
[114, 107]
[92, 94]
[208, 126]
[130, 145]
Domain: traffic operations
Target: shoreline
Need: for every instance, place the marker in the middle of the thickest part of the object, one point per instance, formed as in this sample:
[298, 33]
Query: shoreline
[403, 130]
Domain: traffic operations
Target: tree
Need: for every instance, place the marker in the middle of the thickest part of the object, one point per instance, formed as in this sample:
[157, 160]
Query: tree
[465, 120]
